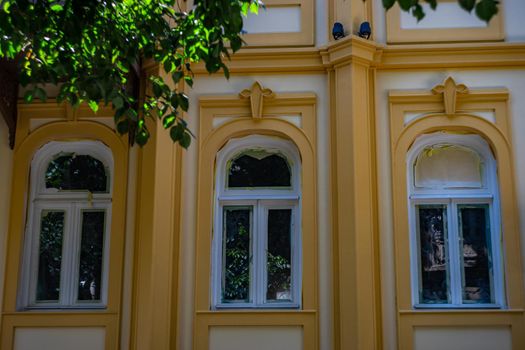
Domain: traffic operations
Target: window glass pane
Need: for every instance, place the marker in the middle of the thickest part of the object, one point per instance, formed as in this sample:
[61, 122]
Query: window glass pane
[76, 172]
[434, 257]
[474, 227]
[50, 255]
[259, 168]
[279, 255]
[448, 166]
[91, 253]
[236, 254]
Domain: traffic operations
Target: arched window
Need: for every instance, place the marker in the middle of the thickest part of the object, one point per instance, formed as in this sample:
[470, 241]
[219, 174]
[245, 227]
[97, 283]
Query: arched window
[455, 222]
[67, 234]
[256, 244]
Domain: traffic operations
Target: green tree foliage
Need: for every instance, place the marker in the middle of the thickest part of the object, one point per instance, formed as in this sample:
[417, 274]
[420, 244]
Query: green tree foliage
[484, 9]
[94, 49]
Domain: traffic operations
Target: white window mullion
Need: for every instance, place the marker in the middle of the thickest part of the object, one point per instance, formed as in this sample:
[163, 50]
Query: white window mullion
[260, 243]
[296, 244]
[69, 257]
[455, 254]
[34, 252]
[496, 244]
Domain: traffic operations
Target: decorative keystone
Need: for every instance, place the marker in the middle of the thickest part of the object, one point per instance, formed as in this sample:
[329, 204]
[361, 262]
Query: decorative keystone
[450, 89]
[257, 94]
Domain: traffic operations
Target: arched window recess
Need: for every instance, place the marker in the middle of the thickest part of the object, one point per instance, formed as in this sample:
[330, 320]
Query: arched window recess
[454, 216]
[65, 260]
[257, 234]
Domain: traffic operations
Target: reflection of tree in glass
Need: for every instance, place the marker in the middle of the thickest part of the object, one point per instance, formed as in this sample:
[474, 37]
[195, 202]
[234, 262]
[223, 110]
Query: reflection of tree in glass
[91, 250]
[279, 255]
[259, 169]
[237, 255]
[50, 255]
[476, 256]
[76, 172]
[433, 254]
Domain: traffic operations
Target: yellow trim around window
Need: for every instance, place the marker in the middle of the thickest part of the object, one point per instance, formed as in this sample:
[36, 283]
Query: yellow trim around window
[397, 35]
[467, 119]
[64, 127]
[305, 37]
[212, 139]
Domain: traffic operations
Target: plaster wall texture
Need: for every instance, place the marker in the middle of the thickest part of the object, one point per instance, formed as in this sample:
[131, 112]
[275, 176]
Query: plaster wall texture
[462, 338]
[88, 338]
[217, 85]
[256, 338]
[514, 81]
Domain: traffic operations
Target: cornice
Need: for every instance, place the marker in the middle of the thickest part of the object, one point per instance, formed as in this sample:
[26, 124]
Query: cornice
[347, 50]
[379, 56]
[452, 55]
[274, 60]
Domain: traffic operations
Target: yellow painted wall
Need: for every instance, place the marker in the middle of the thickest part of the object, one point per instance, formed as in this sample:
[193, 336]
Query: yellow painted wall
[514, 81]
[6, 163]
[217, 85]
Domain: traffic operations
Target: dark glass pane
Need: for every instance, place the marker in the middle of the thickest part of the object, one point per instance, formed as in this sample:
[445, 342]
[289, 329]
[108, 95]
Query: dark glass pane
[91, 252]
[50, 255]
[475, 244]
[237, 257]
[279, 255]
[259, 170]
[76, 172]
[432, 237]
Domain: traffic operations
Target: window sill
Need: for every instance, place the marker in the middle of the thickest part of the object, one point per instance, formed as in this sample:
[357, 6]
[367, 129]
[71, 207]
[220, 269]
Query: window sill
[82, 308]
[455, 307]
[282, 306]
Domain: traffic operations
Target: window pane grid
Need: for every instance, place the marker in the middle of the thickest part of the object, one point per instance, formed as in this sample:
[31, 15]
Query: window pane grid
[50, 245]
[434, 284]
[476, 259]
[237, 254]
[270, 281]
[468, 250]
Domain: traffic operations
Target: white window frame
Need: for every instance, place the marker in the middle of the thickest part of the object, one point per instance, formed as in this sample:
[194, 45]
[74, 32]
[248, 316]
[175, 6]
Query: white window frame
[261, 200]
[73, 203]
[488, 195]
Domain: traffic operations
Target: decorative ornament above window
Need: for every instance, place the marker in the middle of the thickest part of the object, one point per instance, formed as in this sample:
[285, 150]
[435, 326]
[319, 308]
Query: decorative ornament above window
[257, 94]
[450, 89]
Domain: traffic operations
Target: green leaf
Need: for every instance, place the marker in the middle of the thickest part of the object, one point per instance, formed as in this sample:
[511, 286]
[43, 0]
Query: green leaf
[387, 4]
[169, 120]
[406, 5]
[467, 5]
[432, 3]
[56, 7]
[183, 101]
[177, 76]
[417, 11]
[123, 126]
[93, 105]
[176, 132]
[142, 136]
[6, 6]
[185, 140]
[40, 93]
[486, 9]
[118, 102]
[28, 96]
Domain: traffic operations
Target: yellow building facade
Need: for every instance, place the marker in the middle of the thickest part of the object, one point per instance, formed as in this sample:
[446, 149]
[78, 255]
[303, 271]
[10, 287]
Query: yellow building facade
[359, 193]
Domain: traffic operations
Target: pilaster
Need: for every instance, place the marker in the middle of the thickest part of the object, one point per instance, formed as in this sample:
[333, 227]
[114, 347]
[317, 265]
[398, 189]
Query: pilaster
[154, 317]
[356, 276]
